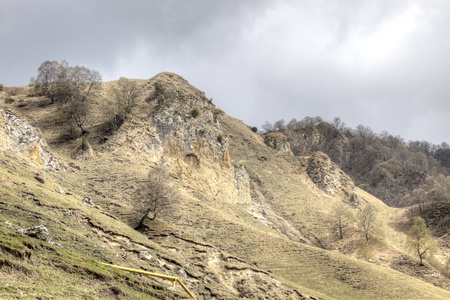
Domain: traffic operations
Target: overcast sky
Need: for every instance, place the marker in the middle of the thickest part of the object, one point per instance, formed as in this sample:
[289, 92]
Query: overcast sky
[383, 64]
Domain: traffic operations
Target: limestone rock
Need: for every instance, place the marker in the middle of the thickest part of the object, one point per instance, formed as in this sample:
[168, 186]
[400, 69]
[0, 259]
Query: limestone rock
[39, 232]
[88, 201]
[145, 255]
[327, 176]
[278, 141]
[242, 184]
[19, 136]
[61, 190]
[322, 137]
[182, 272]
[190, 146]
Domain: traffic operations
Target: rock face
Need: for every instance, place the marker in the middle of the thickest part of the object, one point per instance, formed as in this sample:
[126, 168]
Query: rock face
[39, 232]
[278, 141]
[182, 133]
[18, 136]
[322, 137]
[329, 178]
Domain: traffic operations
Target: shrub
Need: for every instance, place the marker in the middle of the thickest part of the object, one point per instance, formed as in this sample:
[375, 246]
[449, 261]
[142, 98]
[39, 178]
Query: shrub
[195, 112]
[254, 129]
[9, 100]
[220, 138]
[1, 86]
[365, 250]
[85, 146]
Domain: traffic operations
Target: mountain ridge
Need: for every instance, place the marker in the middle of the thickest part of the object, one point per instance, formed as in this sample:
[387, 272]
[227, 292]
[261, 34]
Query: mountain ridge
[250, 222]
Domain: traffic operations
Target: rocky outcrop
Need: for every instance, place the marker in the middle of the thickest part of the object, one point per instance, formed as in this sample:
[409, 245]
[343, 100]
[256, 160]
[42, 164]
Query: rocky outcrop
[39, 232]
[278, 141]
[178, 128]
[329, 178]
[322, 137]
[20, 137]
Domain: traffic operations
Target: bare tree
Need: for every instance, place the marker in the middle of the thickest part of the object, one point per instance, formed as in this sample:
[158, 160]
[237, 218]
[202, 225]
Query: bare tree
[123, 98]
[158, 196]
[419, 240]
[366, 220]
[341, 221]
[70, 87]
[127, 92]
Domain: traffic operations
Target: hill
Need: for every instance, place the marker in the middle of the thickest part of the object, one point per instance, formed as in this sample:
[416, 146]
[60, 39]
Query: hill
[249, 222]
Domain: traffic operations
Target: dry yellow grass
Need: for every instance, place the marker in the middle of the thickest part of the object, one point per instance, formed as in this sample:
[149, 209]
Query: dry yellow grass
[202, 230]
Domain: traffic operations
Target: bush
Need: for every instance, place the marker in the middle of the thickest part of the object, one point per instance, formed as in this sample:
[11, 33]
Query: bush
[220, 138]
[365, 250]
[254, 129]
[1, 86]
[85, 146]
[194, 113]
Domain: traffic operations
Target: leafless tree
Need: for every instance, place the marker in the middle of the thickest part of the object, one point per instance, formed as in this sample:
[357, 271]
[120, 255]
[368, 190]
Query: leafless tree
[366, 220]
[123, 98]
[157, 196]
[341, 221]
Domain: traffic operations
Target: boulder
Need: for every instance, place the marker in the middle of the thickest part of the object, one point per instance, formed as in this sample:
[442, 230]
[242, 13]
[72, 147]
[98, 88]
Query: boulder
[88, 201]
[39, 232]
[182, 272]
[145, 255]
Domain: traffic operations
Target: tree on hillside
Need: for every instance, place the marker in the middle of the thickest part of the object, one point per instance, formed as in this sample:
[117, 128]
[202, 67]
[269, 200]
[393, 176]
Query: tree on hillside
[70, 87]
[61, 82]
[419, 240]
[341, 220]
[366, 221]
[157, 196]
[123, 98]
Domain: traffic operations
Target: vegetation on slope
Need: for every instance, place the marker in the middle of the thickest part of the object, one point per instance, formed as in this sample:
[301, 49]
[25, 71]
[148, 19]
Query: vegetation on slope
[398, 172]
[276, 243]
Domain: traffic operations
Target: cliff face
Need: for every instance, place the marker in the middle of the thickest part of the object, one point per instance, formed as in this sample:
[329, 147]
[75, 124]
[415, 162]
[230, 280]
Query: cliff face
[20, 137]
[330, 178]
[178, 128]
[323, 137]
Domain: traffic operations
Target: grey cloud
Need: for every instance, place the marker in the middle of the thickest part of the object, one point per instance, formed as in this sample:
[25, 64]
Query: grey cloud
[385, 64]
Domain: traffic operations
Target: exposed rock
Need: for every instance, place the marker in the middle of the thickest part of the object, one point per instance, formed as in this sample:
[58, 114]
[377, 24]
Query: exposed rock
[74, 166]
[190, 146]
[242, 184]
[19, 136]
[8, 223]
[182, 272]
[327, 176]
[61, 190]
[88, 201]
[278, 141]
[39, 232]
[145, 255]
[322, 137]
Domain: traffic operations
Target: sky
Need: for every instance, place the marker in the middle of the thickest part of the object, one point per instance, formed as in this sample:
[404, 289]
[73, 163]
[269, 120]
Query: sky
[384, 64]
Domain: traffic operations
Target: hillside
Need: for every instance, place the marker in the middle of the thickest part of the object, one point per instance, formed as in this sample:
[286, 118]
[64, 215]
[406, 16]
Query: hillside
[249, 221]
[399, 173]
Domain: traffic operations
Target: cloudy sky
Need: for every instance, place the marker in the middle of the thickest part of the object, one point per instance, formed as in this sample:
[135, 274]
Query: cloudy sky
[384, 64]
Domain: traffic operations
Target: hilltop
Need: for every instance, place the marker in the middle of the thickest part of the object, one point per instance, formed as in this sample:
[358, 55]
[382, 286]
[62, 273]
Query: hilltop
[250, 220]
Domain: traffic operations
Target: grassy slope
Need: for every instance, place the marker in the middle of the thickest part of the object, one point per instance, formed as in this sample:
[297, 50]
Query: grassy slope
[86, 235]
[333, 274]
[205, 221]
